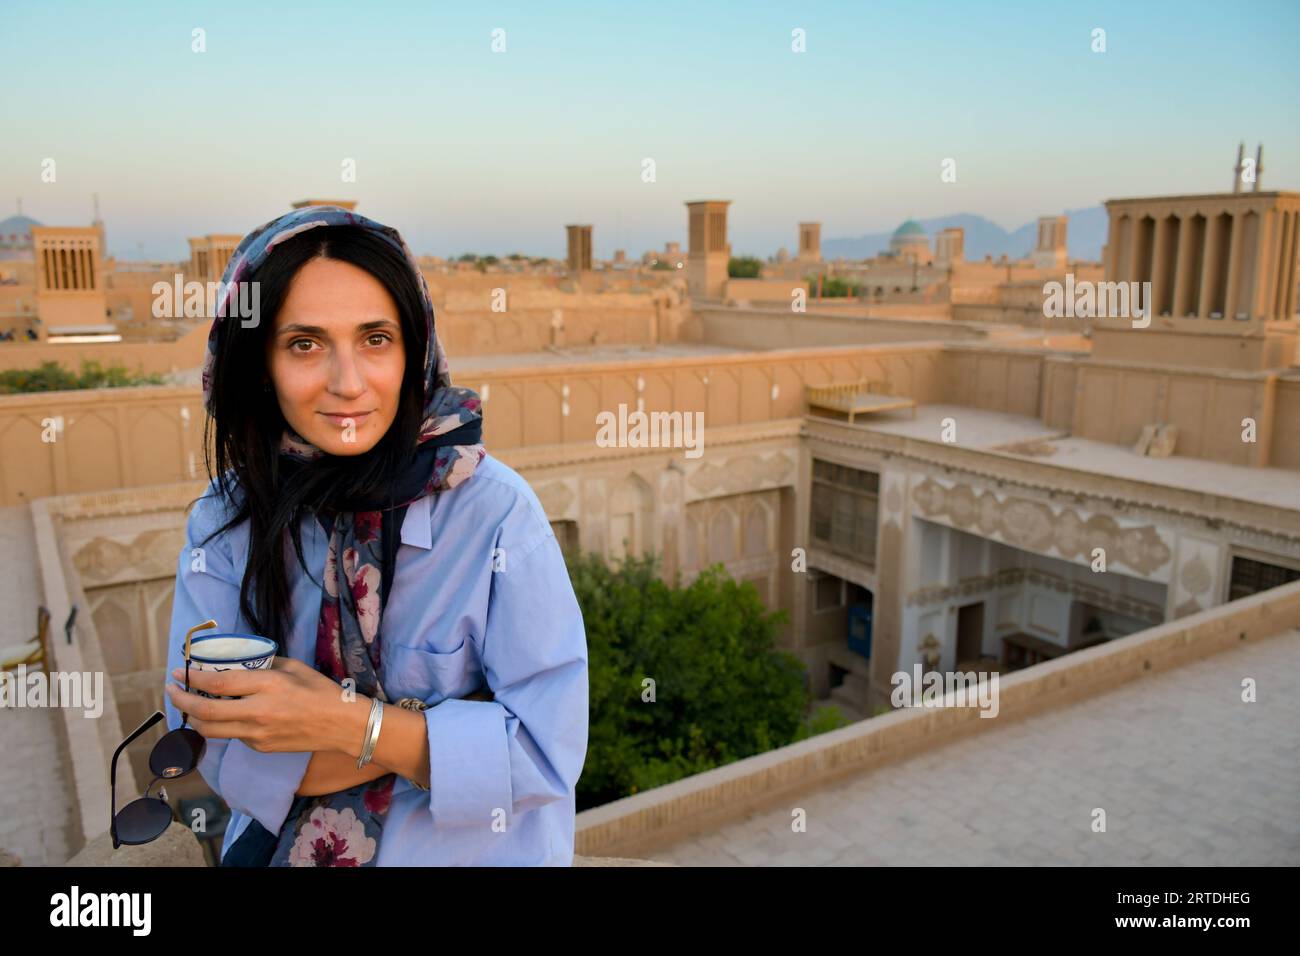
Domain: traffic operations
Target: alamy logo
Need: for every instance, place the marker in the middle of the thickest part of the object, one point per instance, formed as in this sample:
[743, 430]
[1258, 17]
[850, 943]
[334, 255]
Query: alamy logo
[75, 689]
[103, 909]
[953, 689]
[653, 430]
[1098, 300]
[206, 300]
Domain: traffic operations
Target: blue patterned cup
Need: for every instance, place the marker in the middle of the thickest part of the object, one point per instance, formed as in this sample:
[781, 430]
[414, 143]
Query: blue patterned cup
[229, 652]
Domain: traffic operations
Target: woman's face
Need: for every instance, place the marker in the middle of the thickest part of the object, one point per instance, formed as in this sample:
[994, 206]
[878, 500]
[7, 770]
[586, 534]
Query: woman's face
[336, 357]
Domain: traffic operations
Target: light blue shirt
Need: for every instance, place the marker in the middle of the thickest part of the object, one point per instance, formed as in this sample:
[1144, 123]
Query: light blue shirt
[460, 614]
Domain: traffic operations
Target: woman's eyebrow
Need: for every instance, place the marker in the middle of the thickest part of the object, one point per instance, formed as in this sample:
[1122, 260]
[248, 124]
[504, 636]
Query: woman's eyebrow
[317, 330]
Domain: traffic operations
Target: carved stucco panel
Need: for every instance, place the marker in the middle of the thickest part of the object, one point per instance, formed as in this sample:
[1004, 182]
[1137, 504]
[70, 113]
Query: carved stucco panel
[1038, 526]
[149, 554]
[559, 499]
[1196, 583]
[740, 473]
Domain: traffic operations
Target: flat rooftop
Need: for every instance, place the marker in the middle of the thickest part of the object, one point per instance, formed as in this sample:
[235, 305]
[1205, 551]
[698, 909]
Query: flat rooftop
[1030, 439]
[588, 354]
[1187, 773]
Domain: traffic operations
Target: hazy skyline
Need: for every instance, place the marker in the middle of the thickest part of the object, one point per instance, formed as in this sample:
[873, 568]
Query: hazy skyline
[463, 149]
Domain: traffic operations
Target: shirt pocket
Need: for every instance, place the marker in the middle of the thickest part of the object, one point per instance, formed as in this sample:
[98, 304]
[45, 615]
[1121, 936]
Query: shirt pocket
[432, 676]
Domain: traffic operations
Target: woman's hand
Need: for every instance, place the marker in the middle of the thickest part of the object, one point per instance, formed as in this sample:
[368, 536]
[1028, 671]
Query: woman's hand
[288, 707]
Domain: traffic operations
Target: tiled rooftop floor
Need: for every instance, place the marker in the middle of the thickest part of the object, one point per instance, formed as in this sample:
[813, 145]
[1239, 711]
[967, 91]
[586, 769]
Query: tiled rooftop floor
[1187, 773]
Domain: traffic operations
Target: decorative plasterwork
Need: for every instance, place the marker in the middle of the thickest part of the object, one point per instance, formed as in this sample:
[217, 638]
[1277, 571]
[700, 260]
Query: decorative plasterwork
[559, 499]
[1015, 577]
[1250, 523]
[1196, 583]
[1036, 526]
[740, 473]
[894, 486]
[150, 554]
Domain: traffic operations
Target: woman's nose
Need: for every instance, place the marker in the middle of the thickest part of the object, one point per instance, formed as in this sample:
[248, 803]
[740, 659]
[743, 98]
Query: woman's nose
[345, 376]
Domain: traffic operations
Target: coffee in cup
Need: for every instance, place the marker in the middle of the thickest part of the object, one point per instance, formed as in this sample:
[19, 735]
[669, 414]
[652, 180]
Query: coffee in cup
[229, 652]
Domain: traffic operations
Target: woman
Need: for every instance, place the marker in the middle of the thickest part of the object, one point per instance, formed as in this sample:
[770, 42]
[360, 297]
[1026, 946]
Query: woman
[421, 569]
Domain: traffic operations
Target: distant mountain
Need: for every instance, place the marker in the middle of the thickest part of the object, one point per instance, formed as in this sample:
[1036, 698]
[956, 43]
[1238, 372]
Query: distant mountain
[1085, 234]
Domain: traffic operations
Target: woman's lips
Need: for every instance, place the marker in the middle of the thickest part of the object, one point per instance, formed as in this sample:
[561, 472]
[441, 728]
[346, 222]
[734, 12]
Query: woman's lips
[342, 420]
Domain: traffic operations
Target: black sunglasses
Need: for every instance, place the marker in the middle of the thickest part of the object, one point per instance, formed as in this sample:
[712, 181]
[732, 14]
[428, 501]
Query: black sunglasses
[176, 753]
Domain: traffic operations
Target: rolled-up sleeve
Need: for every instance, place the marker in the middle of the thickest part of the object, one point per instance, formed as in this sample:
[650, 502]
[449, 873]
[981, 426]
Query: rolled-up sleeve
[260, 785]
[526, 747]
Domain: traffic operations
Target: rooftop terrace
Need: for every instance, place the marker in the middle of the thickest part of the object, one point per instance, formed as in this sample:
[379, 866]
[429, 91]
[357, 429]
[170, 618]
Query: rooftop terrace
[1186, 772]
[1027, 437]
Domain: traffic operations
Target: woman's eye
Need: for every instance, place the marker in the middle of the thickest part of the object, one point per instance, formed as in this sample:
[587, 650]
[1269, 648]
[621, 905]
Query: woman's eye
[307, 345]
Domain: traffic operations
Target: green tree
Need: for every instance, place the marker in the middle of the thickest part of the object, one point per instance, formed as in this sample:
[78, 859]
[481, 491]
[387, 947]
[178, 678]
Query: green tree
[745, 267]
[722, 690]
[834, 287]
[52, 377]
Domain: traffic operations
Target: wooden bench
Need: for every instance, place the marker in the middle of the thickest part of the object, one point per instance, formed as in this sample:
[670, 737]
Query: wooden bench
[31, 652]
[858, 398]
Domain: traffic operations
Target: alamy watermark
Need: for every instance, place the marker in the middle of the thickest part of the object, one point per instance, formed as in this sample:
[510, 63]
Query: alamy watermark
[640, 429]
[75, 689]
[75, 908]
[1098, 300]
[179, 299]
[948, 689]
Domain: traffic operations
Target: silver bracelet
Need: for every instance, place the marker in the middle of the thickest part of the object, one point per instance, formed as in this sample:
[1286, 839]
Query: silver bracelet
[417, 705]
[372, 732]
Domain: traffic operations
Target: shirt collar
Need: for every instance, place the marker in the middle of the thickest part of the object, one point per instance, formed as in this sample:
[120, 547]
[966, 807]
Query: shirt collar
[416, 527]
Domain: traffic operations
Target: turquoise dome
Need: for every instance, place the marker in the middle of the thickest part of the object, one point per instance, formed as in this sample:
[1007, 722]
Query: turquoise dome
[17, 230]
[909, 228]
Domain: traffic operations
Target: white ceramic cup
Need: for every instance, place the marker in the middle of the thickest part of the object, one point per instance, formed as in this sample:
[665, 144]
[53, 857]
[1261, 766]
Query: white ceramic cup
[229, 652]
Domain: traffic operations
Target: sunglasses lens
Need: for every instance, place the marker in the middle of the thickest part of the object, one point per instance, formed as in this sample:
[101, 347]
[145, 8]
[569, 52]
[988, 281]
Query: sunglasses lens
[177, 752]
[142, 820]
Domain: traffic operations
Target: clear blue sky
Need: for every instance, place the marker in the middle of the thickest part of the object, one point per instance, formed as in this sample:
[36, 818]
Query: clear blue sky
[463, 149]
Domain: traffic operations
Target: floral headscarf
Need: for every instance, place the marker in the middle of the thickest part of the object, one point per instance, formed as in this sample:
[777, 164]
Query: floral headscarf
[343, 829]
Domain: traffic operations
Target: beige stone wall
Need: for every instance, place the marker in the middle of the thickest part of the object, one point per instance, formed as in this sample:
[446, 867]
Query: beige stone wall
[891, 307]
[142, 436]
[1285, 448]
[17, 308]
[1111, 402]
[1019, 301]
[1117, 400]
[1001, 380]
[1060, 381]
[783, 329]
[123, 438]
[741, 291]
[569, 321]
[1272, 348]
[527, 406]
